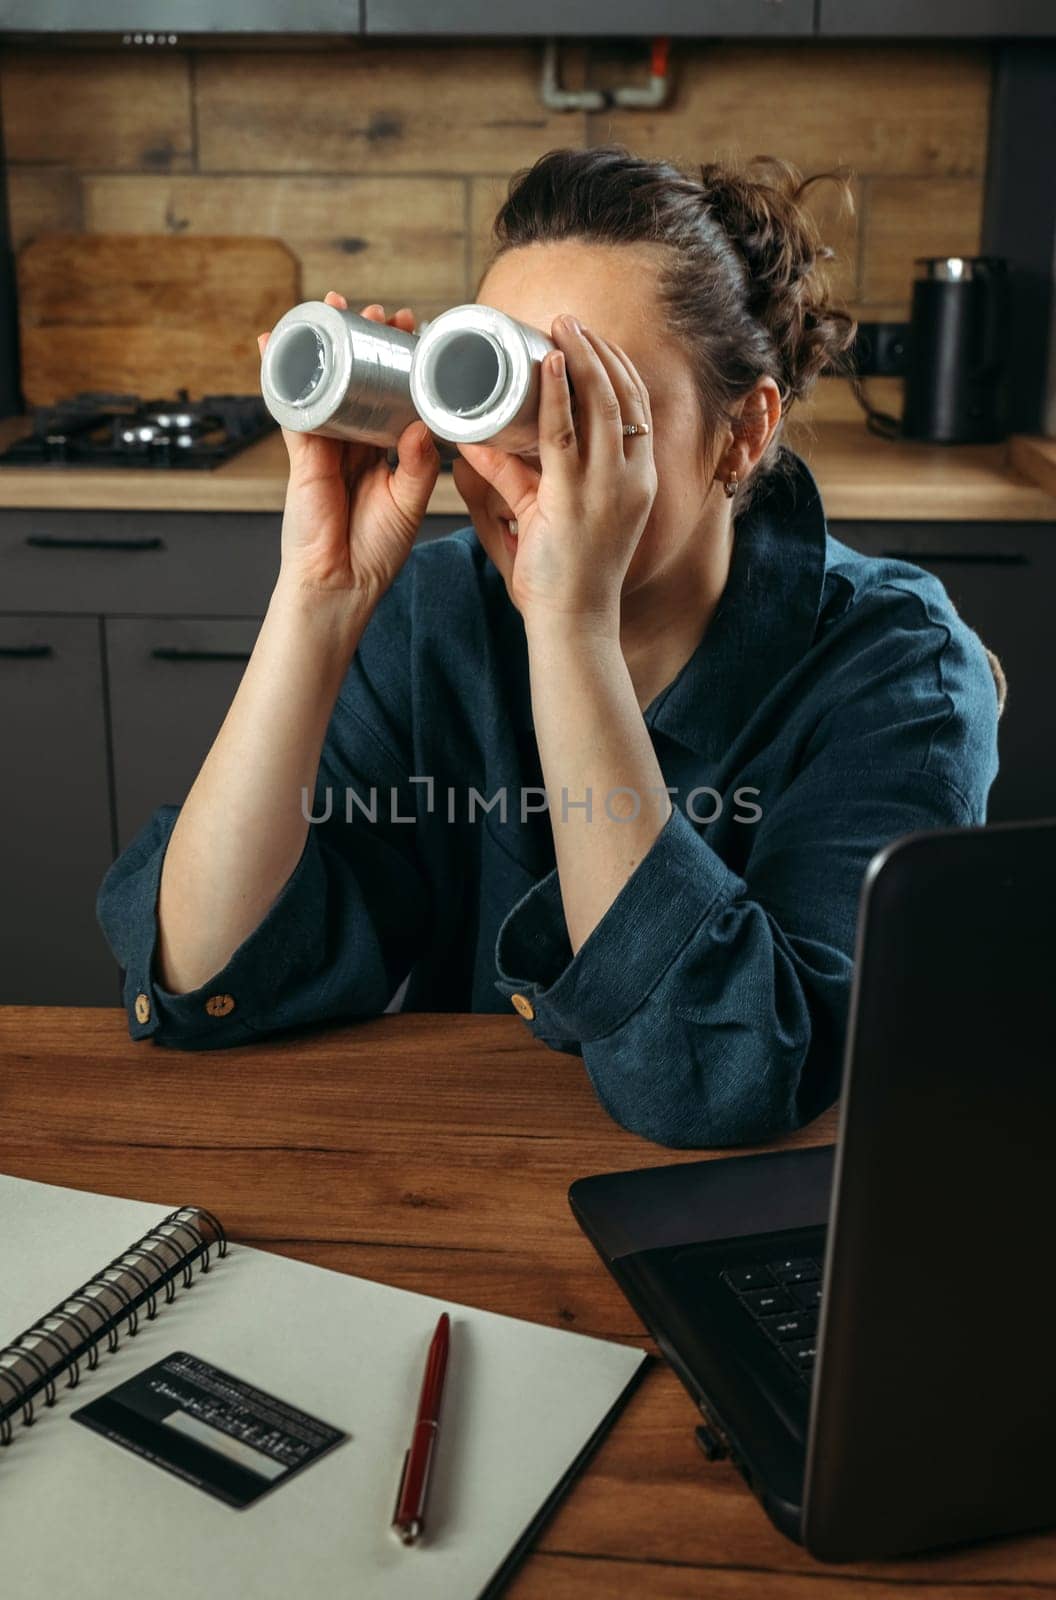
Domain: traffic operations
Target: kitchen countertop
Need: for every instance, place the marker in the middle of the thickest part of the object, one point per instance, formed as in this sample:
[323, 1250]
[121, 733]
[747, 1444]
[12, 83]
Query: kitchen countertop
[861, 477]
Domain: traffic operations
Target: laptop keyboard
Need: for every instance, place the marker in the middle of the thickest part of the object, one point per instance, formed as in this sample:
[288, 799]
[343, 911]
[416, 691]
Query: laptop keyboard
[782, 1297]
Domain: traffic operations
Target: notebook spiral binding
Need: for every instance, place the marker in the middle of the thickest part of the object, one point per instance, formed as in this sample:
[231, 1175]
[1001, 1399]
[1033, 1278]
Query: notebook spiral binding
[72, 1330]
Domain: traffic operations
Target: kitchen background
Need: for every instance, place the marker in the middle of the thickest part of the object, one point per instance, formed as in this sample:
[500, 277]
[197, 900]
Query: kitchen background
[381, 166]
[130, 595]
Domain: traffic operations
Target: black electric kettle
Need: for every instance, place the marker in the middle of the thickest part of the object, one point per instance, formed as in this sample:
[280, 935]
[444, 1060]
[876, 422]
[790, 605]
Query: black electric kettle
[955, 351]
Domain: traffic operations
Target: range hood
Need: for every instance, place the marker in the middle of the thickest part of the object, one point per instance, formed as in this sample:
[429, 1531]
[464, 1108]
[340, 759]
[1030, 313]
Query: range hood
[150, 24]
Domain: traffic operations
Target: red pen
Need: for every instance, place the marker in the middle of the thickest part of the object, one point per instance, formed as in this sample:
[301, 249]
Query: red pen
[408, 1519]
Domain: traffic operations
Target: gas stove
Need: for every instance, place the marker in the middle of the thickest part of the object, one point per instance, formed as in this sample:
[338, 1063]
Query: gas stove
[121, 430]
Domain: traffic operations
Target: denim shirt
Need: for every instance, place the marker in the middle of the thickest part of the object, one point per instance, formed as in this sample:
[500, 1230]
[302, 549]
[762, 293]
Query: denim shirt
[835, 702]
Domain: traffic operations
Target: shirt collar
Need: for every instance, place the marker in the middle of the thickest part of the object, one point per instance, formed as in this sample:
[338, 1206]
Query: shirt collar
[765, 620]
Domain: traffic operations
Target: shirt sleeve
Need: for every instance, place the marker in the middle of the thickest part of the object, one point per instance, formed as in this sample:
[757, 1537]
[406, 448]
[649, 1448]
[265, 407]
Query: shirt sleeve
[710, 1005]
[347, 925]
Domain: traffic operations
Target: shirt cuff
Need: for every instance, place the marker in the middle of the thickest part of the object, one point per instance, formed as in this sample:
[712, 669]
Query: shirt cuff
[582, 997]
[220, 1011]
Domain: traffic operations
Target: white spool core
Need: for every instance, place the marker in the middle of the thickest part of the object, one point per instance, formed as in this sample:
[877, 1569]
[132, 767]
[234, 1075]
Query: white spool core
[299, 363]
[467, 372]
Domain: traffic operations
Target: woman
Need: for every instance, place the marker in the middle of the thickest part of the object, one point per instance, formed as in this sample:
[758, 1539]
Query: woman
[728, 711]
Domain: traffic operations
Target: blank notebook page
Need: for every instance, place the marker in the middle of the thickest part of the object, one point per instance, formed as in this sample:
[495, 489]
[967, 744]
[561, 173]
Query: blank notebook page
[81, 1516]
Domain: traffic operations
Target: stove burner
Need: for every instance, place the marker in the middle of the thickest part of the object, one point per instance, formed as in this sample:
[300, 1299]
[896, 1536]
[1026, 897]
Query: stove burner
[121, 430]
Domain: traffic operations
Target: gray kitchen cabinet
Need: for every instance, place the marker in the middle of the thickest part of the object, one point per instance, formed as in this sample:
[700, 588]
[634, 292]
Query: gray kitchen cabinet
[192, 563]
[731, 19]
[54, 813]
[159, 23]
[123, 640]
[939, 19]
[1002, 578]
[172, 680]
[162, 17]
[439, 527]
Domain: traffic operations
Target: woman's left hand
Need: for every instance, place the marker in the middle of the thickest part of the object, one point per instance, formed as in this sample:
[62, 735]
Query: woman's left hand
[580, 518]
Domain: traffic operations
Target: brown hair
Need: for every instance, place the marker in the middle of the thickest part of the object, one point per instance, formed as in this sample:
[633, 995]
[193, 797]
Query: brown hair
[745, 287]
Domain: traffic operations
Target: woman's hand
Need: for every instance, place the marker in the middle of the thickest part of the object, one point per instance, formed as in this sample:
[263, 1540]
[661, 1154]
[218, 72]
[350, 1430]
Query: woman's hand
[580, 518]
[349, 523]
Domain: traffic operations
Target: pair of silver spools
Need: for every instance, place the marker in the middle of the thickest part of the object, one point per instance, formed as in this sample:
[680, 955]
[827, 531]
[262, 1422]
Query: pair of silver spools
[471, 374]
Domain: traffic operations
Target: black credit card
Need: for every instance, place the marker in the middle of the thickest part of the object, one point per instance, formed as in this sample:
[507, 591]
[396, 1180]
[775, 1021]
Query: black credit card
[211, 1429]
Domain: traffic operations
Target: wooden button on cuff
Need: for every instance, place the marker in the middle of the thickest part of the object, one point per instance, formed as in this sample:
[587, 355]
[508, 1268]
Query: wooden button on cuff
[523, 1006]
[218, 1005]
[142, 1008]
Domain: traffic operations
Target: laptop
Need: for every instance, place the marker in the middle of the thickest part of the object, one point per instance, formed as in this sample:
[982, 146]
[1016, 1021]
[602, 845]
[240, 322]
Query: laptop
[867, 1328]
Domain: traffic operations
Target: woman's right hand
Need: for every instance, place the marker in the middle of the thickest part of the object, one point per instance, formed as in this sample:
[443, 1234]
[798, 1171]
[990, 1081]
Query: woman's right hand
[349, 522]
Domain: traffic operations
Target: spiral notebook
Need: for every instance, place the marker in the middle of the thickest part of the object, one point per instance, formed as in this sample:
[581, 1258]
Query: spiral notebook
[198, 1417]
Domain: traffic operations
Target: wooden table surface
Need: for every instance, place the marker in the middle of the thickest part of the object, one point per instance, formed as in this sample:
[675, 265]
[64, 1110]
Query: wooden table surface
[435, 1152]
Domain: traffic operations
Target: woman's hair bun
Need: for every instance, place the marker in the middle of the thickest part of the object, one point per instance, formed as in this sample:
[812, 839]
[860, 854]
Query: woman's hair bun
[759, 206]
[743, 279]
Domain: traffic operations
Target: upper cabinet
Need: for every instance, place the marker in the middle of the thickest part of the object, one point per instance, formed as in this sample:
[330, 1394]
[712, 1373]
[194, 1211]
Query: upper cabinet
[178, 18]
[163, 22]
[938, 19]
[731, 19]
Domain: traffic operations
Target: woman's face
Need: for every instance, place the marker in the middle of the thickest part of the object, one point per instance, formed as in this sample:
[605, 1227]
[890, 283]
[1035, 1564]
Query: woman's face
[612, 290]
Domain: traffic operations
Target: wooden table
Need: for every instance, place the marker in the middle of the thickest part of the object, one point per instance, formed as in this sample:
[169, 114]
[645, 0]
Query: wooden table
[435, 1153]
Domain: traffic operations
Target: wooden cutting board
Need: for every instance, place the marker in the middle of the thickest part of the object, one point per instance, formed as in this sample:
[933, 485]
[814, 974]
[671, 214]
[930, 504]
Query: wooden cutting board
[148, 314]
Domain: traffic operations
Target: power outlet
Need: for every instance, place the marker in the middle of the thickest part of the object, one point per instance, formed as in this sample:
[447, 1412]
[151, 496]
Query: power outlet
[879, 349]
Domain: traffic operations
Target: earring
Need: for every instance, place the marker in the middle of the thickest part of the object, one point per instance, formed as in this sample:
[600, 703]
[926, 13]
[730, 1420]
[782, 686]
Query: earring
[730, 486]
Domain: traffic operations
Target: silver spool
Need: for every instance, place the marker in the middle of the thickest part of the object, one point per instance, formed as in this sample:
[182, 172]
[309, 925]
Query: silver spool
[339, 374]
[475, 378]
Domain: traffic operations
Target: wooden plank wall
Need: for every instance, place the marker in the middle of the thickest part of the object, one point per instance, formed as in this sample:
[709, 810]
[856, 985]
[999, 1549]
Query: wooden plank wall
[380, 166]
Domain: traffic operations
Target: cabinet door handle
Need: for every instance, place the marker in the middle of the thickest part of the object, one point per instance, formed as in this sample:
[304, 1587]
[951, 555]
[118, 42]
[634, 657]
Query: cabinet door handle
[174, 653]
[968, 558]
[56, 541]
[25, 652]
